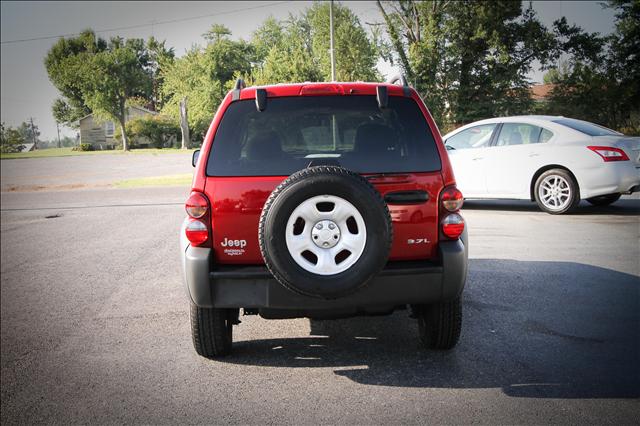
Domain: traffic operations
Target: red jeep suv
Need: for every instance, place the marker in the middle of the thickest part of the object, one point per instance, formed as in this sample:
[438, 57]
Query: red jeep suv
[323, 200]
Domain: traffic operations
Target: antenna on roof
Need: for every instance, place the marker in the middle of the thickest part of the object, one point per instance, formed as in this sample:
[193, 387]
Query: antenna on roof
[331, 51]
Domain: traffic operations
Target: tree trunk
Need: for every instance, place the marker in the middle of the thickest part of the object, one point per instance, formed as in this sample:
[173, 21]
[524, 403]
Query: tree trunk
[184, 124]
[125, 142]
[122, 119]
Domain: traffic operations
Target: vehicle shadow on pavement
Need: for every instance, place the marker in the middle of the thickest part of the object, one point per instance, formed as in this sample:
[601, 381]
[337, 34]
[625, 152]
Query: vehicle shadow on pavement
[623, 207]
[533, 329]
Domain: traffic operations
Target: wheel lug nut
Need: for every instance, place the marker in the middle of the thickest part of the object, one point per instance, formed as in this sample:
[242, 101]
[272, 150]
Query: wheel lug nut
[319, 226]
[326, 244]
[332, 226]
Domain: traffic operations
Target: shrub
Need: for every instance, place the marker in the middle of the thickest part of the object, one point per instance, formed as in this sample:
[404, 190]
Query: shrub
[162, 131]
[83, 147]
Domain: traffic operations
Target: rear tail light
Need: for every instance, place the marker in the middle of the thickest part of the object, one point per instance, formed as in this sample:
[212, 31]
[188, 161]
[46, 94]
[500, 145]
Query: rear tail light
[196, 205]
[609, 153]
[452, 224]
[451, 199]
[197, 233]
[198, 230]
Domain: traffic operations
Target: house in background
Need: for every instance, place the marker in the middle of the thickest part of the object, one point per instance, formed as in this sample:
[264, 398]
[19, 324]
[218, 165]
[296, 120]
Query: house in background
[101, 135]
[541, 92]
[26, 147]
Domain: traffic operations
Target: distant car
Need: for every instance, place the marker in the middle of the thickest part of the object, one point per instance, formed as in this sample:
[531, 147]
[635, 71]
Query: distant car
[555, 161]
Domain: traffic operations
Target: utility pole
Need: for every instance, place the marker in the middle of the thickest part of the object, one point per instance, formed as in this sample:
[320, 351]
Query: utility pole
[184, 123]
[333, 58]
[334, 128]
[33, 135]
[58, 129]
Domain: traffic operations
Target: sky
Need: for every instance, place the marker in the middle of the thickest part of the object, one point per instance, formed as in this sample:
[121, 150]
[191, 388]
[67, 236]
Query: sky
[25, 90]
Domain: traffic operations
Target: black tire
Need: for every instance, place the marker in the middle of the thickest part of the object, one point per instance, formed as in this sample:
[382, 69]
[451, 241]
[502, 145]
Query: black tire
[212, 331]
[604, 200]
[439, 324]
[311, 182]
[574, 194]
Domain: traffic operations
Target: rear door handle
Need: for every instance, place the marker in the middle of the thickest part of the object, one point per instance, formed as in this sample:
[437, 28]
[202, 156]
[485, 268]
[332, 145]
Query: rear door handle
[534, 155]
[477, 158]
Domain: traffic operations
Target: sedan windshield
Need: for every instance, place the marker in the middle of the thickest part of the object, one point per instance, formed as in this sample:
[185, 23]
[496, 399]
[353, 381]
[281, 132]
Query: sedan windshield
[586, 127]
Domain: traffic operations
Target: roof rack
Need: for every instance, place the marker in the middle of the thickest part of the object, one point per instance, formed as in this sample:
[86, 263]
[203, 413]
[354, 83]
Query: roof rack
[235, 94]
[398, 78]
[240, 84]
[403, 82]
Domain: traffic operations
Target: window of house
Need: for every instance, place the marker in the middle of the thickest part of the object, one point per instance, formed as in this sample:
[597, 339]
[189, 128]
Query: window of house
[109, 128]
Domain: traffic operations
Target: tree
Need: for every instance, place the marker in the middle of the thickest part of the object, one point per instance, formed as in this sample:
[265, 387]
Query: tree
[63, 63]
[189, 77]
[468, 60]
[226, 57]
[63, 112]
[110, 77]
[556, 74]
[297, 49]
[11, 140]
[290, 59]
[601, 79]
[356, 55]
[29, 134]
[203, 76]
[216, 33]
[271, 33]
[160, 57]
[98, 76]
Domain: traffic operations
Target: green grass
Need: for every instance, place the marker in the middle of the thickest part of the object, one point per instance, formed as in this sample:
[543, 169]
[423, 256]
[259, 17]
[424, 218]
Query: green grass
[169, 180]
[66, 152]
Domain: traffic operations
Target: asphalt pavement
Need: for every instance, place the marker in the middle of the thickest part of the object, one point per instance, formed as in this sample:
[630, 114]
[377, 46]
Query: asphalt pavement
[95, 326]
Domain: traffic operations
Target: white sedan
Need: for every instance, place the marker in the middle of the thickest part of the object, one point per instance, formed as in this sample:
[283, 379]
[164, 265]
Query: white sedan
[555, 161]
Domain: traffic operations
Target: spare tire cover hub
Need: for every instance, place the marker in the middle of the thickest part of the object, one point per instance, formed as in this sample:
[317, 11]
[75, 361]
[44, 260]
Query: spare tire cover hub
[323, 243]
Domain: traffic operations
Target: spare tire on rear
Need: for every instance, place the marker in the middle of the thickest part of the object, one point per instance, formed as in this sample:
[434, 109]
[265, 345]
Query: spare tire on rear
[325, 232]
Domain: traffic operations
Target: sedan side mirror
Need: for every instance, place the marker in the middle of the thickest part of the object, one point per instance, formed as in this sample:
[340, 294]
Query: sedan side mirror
[194, 158]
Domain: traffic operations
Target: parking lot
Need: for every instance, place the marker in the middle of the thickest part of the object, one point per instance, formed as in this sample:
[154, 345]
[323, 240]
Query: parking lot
[95, 324]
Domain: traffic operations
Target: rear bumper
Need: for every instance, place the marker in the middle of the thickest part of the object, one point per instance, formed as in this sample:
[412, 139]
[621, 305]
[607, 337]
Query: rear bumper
[253, 287]
[608, 178]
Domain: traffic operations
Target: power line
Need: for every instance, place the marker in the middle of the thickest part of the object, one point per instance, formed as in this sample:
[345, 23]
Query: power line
[152, 24]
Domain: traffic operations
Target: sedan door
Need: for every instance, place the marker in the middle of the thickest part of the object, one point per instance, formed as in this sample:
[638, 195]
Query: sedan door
[467, 150]
[517, 153]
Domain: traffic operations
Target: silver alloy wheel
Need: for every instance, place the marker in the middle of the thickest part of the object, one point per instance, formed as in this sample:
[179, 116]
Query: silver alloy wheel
[324, 234]
[554, 192]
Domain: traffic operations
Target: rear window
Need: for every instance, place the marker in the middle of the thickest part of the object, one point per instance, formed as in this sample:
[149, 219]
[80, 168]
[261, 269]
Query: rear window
[586, 127]
[350, 131]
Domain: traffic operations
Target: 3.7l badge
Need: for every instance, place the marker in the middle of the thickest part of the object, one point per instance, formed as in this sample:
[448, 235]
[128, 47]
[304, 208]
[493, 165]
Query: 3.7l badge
[418, 241]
